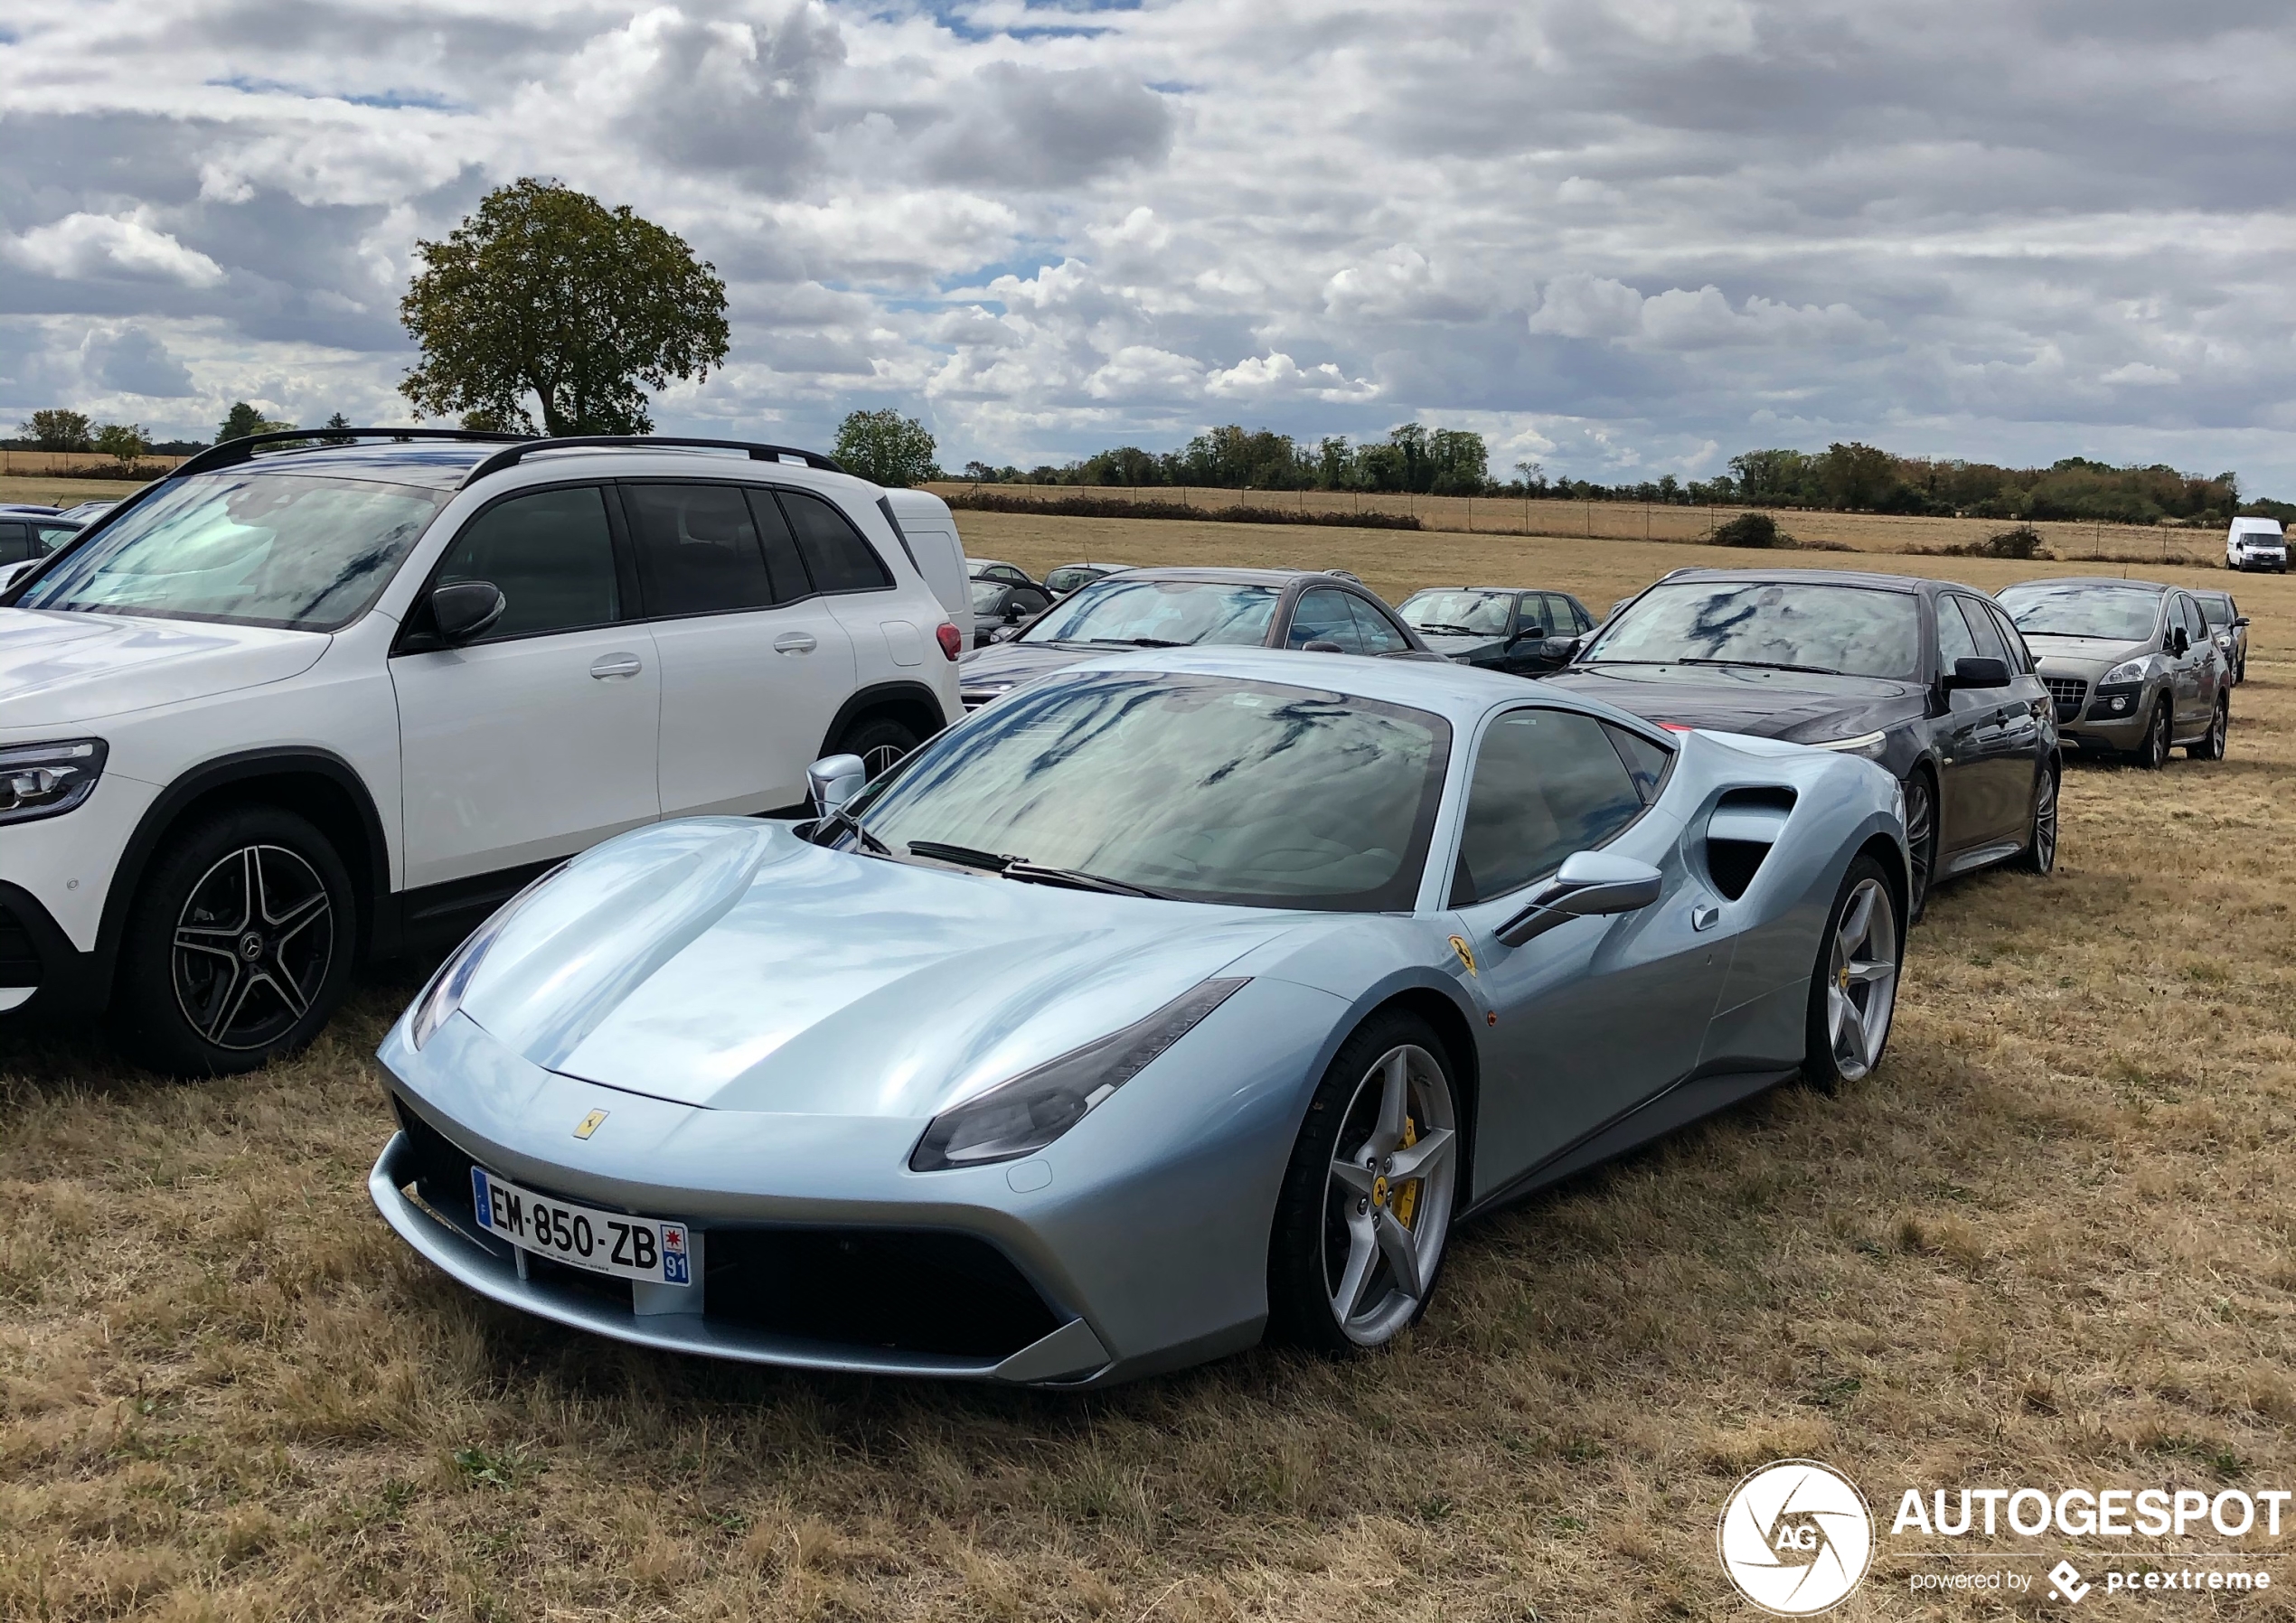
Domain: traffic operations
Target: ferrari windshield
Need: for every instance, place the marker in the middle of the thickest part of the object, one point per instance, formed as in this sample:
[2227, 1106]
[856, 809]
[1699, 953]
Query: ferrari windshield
[1160, 613]
[1844, 631]
[2080, 609]
[250, 549]
[1204, 789]
[1456, 613]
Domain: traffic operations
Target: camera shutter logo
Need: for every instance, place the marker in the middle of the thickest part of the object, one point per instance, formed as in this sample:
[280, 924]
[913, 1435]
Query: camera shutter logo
[1795, 1537]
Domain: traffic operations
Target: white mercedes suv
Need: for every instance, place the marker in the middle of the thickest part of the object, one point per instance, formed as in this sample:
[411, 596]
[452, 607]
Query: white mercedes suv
[301, 703]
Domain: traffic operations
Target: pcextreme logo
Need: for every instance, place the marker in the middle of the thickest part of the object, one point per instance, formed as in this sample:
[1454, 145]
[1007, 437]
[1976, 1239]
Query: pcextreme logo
[1795, 1537]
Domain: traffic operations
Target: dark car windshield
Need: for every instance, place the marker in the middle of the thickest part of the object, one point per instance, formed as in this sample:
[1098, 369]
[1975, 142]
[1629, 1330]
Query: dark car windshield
[246, 548]
[1125, 609]
[1851, 630]
[1455, 613]
[2081, 609]
[1070, 577]
[2215, 611]
[1200, 788]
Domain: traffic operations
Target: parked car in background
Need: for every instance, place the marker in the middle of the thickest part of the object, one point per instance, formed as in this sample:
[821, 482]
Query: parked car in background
[88, 511]
[1069, 577]
[1500, 628]
[2256, 544]
[994, 568]
[2130, 665]
[999, 610]
[1926, 678]
[2229, 627]
[26, 536]
[1188, 608]
[290, 707]
[1130, 1069]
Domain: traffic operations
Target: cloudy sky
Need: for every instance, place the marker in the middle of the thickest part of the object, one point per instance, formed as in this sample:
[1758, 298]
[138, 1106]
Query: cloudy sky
[1619, 238]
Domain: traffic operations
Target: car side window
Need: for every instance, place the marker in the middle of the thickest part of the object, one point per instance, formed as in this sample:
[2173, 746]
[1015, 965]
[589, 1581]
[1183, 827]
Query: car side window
[1546, 784]
[835, 555]
[2020, 657]
[1980, 628]
[2195, 628]
[1373, 631]
[700, 549]
[1558, 621]
[1320, 615]
[1579, 617]
[550, 553]
[785, 569]
[15, 540]
[1646, 762]
[1953, 641]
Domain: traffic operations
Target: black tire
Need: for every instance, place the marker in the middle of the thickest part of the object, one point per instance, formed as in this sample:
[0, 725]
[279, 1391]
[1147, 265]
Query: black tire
[1921, 843]
[877, 740]
[2040, 855]
[1317, 1216]
[1824, 1066]
[2211, 745]
[2152, 755]
[212, 981]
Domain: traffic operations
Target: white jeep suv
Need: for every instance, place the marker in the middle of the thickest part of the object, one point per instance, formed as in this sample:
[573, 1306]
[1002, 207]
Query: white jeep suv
[301, 703]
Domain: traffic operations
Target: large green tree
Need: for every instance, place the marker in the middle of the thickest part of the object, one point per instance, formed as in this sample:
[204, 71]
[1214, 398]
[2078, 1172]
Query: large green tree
[545, 293]
[243, 419]
[57, 429]
[886, 447]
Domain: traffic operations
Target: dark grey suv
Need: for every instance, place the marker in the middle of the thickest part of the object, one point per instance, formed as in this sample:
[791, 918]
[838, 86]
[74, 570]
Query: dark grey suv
[1925, 677]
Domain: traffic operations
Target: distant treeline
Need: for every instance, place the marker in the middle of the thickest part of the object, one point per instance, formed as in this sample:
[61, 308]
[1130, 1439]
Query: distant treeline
[1853, 477]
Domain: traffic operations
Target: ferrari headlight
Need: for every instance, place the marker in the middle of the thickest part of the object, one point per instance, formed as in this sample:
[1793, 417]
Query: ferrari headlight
[1869, 744]
[1021, 1116]
[2127, 670]
[444, 995]
[44, 779]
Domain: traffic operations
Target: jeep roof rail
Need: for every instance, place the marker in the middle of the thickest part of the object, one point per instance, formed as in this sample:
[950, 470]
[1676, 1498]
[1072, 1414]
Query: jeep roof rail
[511, 456]
[233, 452]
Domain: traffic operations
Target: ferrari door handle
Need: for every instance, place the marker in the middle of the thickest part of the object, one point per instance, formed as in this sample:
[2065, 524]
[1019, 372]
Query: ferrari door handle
[606, 666]
[1704, 917]
[793, 641]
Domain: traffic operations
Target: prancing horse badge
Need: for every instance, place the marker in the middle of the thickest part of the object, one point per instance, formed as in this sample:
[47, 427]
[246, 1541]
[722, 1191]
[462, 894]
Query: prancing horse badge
[589, 1124]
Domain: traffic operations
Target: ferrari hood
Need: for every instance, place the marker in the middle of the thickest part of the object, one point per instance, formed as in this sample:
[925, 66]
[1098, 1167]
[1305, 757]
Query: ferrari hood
[725, 963]
[1795, 705]
[59, 669]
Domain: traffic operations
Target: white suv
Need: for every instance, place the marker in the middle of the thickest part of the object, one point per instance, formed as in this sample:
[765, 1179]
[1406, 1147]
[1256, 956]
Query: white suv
[281, 711]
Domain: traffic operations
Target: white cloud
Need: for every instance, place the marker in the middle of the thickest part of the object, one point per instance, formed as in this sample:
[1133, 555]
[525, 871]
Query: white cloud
[2141, 373]
[99, 247]
[1583, 307]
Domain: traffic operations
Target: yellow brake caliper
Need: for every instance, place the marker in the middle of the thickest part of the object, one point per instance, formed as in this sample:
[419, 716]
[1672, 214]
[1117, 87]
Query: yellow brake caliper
[1406, 1199]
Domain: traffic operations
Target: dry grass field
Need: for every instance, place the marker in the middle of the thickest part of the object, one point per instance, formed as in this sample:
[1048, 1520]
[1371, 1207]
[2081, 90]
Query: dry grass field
[2049, 1243]
[1635, 521]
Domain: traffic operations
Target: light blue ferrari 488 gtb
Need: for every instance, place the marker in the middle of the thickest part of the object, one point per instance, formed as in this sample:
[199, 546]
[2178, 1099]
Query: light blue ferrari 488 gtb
[1175, 999]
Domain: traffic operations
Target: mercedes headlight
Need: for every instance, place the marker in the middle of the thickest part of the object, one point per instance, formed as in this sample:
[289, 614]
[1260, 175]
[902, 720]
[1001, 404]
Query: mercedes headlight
[444, 995]
[1021, 1116]
[1869, 745]
[46, 780]
[2127, 670]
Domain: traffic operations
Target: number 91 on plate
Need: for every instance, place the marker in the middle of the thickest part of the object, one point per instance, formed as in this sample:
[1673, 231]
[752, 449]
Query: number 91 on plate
[615, 1243]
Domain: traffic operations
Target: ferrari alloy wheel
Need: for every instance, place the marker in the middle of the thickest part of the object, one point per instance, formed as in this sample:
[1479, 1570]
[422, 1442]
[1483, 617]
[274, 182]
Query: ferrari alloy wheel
[1367, 1201]
[1854, 992]
[2212, 744]
[240, 945]
[1921, 840]
[2039, 856]
[2152, 755]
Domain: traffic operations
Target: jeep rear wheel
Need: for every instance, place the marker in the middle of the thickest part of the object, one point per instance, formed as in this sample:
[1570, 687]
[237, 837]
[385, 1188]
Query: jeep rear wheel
[239, 945]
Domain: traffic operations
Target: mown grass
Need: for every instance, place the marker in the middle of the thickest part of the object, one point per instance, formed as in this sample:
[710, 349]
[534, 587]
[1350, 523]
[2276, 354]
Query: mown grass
[2049, 1242]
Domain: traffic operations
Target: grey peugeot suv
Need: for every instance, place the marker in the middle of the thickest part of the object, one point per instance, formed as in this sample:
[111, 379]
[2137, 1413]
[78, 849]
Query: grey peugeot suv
[2130, 663]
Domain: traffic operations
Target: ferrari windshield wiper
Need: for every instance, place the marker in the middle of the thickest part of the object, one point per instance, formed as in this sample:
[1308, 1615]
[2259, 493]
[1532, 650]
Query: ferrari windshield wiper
[965, 854]
[1765, 665]
[1076, 878]
[840, 818]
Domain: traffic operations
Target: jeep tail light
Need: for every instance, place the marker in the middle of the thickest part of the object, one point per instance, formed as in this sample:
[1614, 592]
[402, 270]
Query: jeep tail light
[952, 639]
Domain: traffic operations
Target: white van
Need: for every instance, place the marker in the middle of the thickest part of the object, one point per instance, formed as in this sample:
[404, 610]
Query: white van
[2253, 544]
[930, 528]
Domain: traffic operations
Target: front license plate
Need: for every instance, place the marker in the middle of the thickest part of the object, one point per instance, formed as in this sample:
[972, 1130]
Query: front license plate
[615, 1243]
